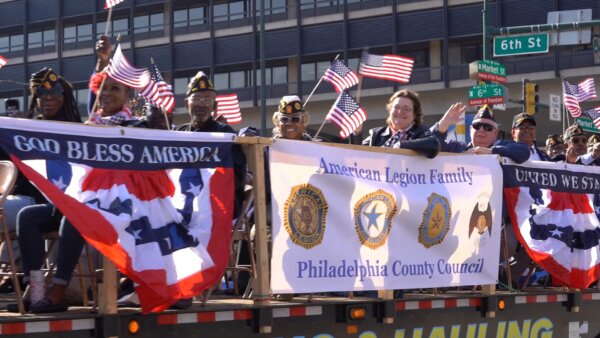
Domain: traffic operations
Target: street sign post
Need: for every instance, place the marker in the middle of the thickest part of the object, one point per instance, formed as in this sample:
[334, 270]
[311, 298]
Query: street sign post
[487, 70]
[486, 94]
[520, 44]
[555, 108]
[587, 124]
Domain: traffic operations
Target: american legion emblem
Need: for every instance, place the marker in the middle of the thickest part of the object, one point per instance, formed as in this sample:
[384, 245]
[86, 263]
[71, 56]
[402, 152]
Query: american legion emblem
[304, 218]
[436, 221]
[373, 218]
[481, 217]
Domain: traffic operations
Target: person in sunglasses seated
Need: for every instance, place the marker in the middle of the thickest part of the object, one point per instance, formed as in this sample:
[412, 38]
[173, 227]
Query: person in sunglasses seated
[404, 127]
[576, 144]
[483, 131]
[524, 130]
[291, 119]
[52, 100]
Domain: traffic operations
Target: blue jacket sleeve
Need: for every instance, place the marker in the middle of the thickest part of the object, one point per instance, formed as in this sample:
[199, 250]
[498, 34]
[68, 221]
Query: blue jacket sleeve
[516, 151]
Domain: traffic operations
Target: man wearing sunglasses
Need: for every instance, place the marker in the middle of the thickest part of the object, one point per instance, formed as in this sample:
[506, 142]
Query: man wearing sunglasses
[524, 130]
[483, 131]
[576, 143]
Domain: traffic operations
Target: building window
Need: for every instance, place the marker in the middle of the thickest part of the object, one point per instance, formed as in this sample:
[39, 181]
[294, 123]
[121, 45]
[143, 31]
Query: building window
[77, 33]
[274, 75]
[472, 52]
[149, 23]
[41, 39]
[311, 4]
[232, 80]
[118, 26]
[189, 17]
[180, 85]
[421, 57]
[314, 70]
[231, 11]
[81, 96]
[11, 43]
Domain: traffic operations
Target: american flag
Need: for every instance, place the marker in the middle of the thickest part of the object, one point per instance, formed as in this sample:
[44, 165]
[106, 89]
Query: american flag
[570, 92]
[594, 114]
[122, 71]
[3, 61]
[158, 91]
[387, 67]
[228, 106]
[340, 76]
[587, 90]
[346, 114]
[112, 3]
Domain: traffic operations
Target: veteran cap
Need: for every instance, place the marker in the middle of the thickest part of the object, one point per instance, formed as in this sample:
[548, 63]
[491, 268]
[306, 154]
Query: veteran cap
[554, 140]
[485, 114]
[522, 117]
[572, 131]
[199, 83]
[290, 104]
[46, 78]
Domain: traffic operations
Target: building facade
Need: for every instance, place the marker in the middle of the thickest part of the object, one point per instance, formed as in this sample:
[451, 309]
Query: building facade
[301, 39]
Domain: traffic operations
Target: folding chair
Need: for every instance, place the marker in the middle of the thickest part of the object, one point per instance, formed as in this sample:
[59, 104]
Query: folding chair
[8, 177]
[242, 228]
[49, 267]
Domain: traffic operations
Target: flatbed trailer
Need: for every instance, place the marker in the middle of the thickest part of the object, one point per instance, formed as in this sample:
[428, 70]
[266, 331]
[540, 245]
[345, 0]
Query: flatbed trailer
[539, 312]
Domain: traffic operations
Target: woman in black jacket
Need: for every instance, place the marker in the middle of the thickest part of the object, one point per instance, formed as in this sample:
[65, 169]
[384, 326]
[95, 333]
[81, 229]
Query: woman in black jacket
[405, 127]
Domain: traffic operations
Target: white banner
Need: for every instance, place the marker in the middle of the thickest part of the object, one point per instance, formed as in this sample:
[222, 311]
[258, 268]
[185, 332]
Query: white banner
[349, 220]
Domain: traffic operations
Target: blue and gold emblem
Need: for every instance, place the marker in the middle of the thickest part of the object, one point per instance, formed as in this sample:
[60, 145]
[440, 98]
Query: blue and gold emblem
[436, 221]
[305, 212]
[373, 218]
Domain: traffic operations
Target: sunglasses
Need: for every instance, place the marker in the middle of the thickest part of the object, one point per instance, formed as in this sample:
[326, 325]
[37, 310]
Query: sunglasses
[293, 119]
[201, 100]
[55, 91]
[485, 126]
[578, 140]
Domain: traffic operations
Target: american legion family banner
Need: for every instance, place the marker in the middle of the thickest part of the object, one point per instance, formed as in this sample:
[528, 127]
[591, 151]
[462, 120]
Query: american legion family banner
[156, 203]
[347, 219]
[554, 209]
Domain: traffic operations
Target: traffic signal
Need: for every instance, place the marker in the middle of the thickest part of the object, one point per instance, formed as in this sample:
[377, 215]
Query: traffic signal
[530, 97]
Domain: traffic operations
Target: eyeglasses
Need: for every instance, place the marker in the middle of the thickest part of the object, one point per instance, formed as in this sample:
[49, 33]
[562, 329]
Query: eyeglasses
[524, 127]
[485, 126]
[206, 101]
[404, 109]
[293, 119]
[578, 140]
[55, 91]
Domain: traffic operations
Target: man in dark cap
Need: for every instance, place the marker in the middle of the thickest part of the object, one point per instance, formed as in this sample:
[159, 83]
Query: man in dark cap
[524, 130]
[200, 103]
[12, 108]
[555, 147]
[594, 146]
[576, 143]
[484, 131]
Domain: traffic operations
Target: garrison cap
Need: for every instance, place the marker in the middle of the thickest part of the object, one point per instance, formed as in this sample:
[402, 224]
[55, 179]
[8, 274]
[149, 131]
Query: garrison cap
[572, 131]
[485, 114]
[46, 78]
[199, 83]
[290, 104]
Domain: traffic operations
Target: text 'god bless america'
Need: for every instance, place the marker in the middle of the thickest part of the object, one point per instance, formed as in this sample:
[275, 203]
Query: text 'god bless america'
[102, 150]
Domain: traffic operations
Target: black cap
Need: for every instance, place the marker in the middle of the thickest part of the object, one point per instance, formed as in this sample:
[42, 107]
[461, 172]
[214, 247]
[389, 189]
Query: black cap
[520, 118]
[199, 83]
[572, 131]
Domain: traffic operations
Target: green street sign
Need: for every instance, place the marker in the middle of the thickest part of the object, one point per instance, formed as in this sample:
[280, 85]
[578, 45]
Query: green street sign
[521, 44]
[487, 70]
[587, 124]
[486, 94]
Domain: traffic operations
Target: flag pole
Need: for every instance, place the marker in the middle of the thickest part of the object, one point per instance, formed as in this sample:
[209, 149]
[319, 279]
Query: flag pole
[107, 28]
[99, 92]
[317, 85]
[161, 109]
[325, 119]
